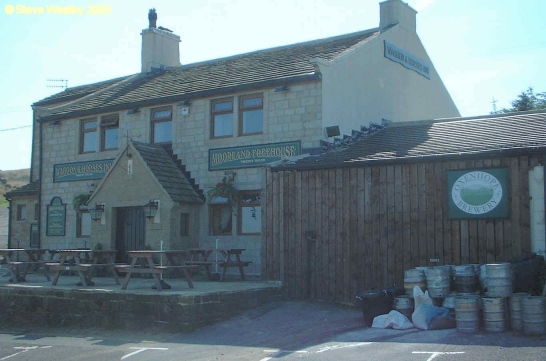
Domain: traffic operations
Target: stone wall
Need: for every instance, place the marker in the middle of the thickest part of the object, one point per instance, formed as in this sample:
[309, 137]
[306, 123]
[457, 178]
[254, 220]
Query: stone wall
[165, 312]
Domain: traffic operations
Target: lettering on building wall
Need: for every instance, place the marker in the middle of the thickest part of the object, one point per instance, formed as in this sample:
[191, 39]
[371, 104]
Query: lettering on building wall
[408, 60]
[81, 171]
[251, 156]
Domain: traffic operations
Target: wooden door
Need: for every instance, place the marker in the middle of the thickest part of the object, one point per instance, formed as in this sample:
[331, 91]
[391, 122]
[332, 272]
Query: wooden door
[130, 232]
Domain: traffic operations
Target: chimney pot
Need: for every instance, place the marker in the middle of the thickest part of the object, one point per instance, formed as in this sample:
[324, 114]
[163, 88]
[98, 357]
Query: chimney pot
[152, 18]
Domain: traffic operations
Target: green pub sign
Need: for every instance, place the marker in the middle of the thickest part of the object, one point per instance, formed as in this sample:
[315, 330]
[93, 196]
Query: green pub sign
[95, 169]
[251, 155]
[56, 217]
[479, 193]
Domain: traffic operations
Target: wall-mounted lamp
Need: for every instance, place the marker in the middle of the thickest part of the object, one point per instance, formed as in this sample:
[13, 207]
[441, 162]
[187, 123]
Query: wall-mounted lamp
[184, 103]
[96, 212]
[281, 88]
[150, 209]
[133, 111]
[332, 131]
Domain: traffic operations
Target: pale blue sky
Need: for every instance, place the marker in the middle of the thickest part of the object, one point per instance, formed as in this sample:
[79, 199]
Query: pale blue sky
[483, 50]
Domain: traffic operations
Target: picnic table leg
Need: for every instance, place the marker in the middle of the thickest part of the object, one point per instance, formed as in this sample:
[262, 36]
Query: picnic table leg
[188, 277]
[115, 275]
[126, 281]
[241, 270]
[157, 281]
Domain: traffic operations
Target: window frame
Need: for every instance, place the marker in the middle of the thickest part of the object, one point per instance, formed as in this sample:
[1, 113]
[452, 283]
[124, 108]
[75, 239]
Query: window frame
[243, 109]
[184, 224]
[108, 122]
[214, 113]
[220, 207]
[22, 213]
[79, 218]
[158, 120]
[84, 131]
[242, 204]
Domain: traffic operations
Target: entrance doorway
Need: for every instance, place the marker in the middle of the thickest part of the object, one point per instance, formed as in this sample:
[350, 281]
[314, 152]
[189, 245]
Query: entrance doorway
[130, 232]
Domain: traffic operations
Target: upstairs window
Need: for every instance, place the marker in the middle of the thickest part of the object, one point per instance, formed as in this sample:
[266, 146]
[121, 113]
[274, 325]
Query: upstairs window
[88, 136]
[109, 125]
[251, 115]
[162, 125]
[222, 118]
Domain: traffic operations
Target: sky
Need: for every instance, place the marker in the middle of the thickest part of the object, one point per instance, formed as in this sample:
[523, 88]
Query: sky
[486, 52]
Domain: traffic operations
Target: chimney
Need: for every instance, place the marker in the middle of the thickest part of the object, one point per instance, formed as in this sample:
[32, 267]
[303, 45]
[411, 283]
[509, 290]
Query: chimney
[160, 47]
[397, 12]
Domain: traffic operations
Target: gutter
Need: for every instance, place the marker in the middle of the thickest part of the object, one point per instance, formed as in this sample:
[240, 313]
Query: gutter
[184, 96]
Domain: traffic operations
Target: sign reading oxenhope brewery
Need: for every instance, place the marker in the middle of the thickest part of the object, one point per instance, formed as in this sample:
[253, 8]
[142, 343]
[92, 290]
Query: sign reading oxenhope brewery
[478, 193]
[251, 155]
[95, 169]
[408, 60]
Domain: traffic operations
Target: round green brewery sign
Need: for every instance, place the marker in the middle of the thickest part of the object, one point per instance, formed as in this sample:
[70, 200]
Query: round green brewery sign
[476, 192]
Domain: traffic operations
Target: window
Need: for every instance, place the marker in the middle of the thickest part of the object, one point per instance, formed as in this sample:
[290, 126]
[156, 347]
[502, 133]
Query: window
[222, 118]
[162, 125]
[251, 115]
[109, 125]
[83, 228]
[21, 212]
[221, 215]
[88, 136]
[184, 224]
[250, 213]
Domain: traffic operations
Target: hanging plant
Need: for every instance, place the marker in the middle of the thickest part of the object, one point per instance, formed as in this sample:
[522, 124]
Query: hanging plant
[80, 200]
[225, 189]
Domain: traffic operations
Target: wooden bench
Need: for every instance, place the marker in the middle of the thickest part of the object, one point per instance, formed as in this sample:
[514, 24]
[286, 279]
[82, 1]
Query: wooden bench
[14, 265]
[238, 264]
[156, 271]
[199, 264]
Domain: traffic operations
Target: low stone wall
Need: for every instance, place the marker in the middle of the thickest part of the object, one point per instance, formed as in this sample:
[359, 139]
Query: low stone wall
[164, 312]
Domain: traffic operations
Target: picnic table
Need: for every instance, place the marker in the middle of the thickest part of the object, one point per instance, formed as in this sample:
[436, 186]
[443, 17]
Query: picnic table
[19, 269]
[142, 262]
[230, 257]
[83, 262]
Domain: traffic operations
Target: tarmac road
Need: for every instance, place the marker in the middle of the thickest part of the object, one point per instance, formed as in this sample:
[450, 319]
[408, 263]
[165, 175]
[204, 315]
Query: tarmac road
[277, 331]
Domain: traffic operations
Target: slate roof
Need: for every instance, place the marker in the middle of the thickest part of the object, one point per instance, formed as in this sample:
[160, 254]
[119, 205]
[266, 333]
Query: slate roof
[265, 68]
[30, 189]
[169, 174]
[492, 135]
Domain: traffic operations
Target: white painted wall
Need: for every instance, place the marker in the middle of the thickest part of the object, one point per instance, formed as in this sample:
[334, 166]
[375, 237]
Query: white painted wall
[536, 192]
[364, 86]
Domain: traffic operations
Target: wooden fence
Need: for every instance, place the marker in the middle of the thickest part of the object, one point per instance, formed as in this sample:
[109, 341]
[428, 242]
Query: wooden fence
[332, 233]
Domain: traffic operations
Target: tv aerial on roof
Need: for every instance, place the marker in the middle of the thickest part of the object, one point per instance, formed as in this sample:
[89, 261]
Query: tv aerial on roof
[57, 83]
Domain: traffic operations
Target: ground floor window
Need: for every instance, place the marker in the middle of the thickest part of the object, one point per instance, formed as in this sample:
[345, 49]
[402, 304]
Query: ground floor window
[83, 227]
[250, 213]
[221, 216]
[184, 224]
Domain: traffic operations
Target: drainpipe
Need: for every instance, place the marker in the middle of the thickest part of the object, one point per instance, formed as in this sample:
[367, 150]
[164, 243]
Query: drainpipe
[544, 183]
[9, 223]
[40, 179]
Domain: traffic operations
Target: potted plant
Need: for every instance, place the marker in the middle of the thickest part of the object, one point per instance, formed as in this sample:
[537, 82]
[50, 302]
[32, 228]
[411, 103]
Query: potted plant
[225, 189]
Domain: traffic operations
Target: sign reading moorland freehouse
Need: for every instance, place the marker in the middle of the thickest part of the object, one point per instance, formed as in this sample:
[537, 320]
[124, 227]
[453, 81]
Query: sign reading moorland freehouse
[478, 193]
[251, 155]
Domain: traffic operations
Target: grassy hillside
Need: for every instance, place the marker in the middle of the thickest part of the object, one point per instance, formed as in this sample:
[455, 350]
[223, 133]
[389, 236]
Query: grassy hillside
[11, 179]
